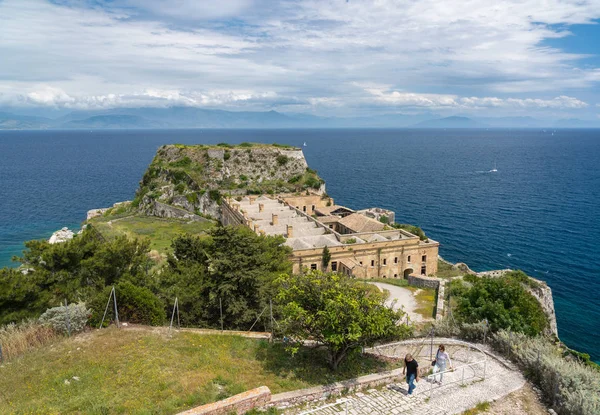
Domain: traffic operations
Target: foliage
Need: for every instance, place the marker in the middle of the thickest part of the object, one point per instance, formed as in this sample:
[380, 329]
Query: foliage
[76, 269]
[183, 162]
[569, 386]
[227, 155]
[415, 230]
[134, 304]
[384, 219]
[325, 257]
[215, 196]
[124, 371]
[70, 319]
[335, 311]
[350, 241]
[16, 339]
[282, 159]
[503, 301]
[234, 265]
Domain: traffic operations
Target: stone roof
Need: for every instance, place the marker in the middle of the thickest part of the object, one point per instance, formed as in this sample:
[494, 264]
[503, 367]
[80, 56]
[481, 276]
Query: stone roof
[358, 223]
[311, 242]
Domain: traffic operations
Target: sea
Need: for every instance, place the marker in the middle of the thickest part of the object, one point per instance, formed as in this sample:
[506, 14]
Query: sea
[539, 211]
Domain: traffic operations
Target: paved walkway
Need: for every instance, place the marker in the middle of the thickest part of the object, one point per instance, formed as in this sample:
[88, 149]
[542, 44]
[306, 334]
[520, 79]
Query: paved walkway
[453, 397]
[401, 299]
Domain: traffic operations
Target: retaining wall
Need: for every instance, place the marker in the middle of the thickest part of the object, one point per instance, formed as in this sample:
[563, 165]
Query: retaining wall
[238, 404]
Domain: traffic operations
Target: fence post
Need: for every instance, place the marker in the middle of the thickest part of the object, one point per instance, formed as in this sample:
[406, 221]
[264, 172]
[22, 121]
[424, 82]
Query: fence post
[431, 348]
[221, 311]
[173, 314]
[68, 318]
[116, 309]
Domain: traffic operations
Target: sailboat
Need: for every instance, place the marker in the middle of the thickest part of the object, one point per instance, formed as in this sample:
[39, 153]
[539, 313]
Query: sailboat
[494, 170]
[305, 144]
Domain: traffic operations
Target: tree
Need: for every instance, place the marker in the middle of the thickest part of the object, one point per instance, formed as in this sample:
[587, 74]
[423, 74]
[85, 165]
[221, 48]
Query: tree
[504, 302]
[325, 258]
[335, 311]
[232, 264]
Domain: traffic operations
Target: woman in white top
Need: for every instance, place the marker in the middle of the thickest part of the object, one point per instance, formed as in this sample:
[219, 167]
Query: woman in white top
[442, 360]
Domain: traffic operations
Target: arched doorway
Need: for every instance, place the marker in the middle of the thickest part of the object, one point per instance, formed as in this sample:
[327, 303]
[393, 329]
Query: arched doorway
[407, 272]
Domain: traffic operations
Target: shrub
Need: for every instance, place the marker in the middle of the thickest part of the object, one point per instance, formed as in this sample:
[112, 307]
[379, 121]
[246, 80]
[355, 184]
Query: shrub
[134, 304]
[184, 162]
[227, 155]
[350, 241]
[569, 386]
[215, 196]
[63, 320]
[16, 339]
[180, 187]
[245, 144]
[226, 145]
[282, 159]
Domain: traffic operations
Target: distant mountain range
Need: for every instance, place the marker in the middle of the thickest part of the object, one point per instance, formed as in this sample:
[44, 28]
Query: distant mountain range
[188, 117]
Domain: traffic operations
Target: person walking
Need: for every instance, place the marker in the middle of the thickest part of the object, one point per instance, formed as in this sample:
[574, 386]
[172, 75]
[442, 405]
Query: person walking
[442, 360]
[411, 369]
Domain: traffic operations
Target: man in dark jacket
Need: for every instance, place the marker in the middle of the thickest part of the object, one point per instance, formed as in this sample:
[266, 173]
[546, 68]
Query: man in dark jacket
[411, 369]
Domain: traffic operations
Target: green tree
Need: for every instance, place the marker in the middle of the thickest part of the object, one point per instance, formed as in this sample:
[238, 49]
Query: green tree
[504, 302]
[232, 264]
[335, 311]
[325, 258]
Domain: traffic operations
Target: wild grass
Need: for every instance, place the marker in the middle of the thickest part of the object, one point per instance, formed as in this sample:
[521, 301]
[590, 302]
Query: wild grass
[446, 271]
[160, 231]
[17, 339]
[481, 407]
[135, 371]
[426, 298]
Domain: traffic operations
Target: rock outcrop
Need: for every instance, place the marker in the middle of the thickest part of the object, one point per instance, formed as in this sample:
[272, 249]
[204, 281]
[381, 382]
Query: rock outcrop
[60, 236]
[196, 178]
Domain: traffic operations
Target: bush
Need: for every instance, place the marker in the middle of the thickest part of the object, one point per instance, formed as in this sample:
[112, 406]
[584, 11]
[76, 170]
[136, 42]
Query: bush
[569, 386]
[227, 155]
[16, 339]
[282, 159]
[134, 304]
[215, 196]
[63, 320]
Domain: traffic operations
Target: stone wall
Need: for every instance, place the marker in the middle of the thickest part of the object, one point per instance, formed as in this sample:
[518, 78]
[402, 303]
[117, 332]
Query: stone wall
[154, 208]
[237, 404]
[287, 399]
[423, 281]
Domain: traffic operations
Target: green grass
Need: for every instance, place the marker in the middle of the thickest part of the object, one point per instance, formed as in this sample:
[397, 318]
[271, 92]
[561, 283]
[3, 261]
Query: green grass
[479, 408]
[445, 270]
[398, 282]
[426, 298]
[160, 231]
[145, 371]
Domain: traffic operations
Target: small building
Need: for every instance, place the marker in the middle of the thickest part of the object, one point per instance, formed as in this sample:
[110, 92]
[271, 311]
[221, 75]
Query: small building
[380, 214]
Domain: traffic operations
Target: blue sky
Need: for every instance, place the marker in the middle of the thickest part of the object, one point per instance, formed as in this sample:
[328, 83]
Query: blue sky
[323, 57]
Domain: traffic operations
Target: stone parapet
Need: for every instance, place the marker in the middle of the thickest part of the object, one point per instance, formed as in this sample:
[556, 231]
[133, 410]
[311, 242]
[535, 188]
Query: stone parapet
[237, 404]
[287, 399]
[423, 281]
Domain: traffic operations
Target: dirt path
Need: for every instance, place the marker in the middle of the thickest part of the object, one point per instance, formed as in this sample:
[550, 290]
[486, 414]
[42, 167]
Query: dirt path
[401, 298]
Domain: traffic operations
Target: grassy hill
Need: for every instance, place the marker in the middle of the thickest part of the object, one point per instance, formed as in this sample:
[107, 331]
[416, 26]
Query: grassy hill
[139, 370]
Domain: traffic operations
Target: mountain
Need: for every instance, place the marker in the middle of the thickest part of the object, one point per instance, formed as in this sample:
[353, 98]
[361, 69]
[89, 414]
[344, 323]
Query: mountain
[576, 123]
[10, 121]
[113, 122]
[450, 122]
[513, 122]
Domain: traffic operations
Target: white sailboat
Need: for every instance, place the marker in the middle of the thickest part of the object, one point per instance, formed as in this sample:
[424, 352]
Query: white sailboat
[494, 170]
[305, 144]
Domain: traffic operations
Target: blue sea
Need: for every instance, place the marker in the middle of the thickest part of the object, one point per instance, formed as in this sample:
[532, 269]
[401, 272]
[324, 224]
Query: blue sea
[540, 211]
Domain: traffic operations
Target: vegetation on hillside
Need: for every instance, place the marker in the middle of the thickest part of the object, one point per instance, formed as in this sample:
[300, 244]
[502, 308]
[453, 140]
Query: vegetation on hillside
[336, 311]
[128, 371]
[504, 302]
[415, 230]
[186, 176]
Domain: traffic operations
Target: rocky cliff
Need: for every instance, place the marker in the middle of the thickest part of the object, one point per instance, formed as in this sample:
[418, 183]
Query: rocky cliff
[185, 181]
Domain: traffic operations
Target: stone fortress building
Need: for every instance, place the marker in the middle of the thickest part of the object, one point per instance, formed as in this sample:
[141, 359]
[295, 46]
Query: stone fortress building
[361, 243]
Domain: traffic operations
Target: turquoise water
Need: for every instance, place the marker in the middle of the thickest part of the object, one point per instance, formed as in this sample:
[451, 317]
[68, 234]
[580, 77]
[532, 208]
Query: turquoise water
[539, 212]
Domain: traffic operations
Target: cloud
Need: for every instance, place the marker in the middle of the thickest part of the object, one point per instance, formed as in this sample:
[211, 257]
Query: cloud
[304, 53]
[411, 99]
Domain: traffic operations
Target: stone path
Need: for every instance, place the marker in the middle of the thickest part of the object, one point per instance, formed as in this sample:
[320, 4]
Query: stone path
[452, 397]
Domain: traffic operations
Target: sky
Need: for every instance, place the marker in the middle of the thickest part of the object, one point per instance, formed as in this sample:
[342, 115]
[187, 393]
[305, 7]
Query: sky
[481, 58]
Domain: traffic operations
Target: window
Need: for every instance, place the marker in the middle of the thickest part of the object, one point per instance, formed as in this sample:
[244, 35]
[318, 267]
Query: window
[330, 226]
[396, 260]
[313, 208]
[372, 263]
[424, 258]
[395, 275]
[313, 266]
[360, 262]
[303, 208]
[384, 261]
[334, 266]
[423, 270]
[409, 258]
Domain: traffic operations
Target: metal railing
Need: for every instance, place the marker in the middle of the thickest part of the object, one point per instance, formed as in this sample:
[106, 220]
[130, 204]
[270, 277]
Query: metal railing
[459, 370]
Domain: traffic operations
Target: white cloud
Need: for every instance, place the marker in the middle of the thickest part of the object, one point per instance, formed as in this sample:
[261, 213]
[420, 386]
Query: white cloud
[308, 53]
[411, 99]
